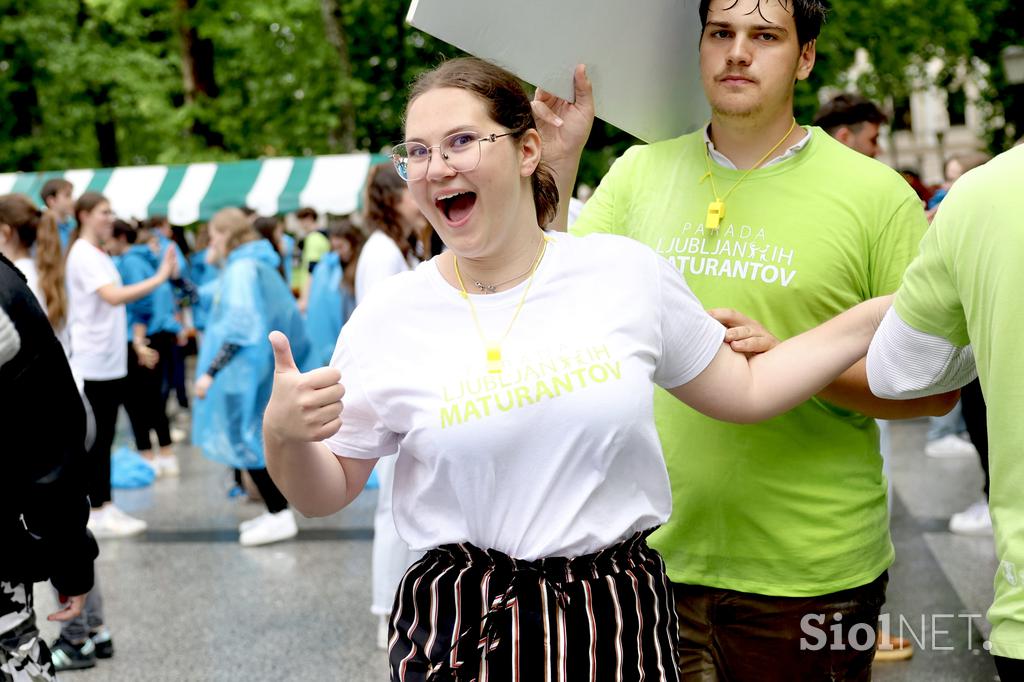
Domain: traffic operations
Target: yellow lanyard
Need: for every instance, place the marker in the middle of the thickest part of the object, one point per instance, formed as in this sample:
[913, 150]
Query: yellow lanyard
[493, 348]
[716, 209]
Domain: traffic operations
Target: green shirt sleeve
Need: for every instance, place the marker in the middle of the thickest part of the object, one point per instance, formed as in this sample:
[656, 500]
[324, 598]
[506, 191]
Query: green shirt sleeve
[606, 209]
[896, 246]
[928, 300]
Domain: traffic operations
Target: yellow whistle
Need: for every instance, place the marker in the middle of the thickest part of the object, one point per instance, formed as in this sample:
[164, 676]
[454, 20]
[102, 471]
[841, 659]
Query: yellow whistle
[493, 360]
[716, 211]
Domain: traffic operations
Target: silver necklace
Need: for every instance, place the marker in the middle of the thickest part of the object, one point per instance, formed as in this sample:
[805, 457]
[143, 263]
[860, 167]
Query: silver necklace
[493, 288]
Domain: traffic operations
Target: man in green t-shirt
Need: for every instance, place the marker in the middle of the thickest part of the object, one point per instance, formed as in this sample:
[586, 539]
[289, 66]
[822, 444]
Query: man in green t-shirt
[315, 246]
[779, 530]
[964, 288]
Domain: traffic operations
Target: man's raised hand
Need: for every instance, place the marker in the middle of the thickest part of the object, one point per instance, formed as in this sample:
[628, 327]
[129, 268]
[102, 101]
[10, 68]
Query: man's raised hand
[303, 407]
[565, 126]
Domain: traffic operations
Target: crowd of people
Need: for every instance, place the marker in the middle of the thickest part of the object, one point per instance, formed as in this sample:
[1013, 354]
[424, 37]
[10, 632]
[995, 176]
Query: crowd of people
[128, 301]
[648, 439]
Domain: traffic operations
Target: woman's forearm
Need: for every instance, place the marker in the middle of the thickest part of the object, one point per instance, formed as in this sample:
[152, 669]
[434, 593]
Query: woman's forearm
[315, 481]
[798, 368]
[119, 295]
[735, 388]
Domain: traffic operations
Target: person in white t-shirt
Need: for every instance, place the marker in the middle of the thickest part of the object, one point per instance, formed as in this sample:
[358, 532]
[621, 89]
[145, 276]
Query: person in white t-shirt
[98, 326]
[528, 467]
[392, 216]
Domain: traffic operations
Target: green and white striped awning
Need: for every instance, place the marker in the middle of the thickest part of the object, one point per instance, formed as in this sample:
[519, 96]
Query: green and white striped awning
[188, 193]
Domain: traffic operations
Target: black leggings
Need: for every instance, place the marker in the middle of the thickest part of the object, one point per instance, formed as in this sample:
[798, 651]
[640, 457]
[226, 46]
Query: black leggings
[972, 404]
[272, 497]
[104, 398]
[146, 404]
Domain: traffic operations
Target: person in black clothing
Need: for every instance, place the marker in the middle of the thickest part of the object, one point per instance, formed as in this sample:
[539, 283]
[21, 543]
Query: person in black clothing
[43, 503]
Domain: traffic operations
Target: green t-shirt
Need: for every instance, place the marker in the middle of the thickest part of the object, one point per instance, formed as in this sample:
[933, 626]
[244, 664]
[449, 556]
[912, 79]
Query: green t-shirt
[966, 286]
[314, 247]
[795, 506]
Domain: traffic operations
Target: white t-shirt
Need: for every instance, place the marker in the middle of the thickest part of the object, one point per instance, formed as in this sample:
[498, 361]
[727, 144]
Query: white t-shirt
[99, 331]
[557, 455]
[380, 258]
[28, 268]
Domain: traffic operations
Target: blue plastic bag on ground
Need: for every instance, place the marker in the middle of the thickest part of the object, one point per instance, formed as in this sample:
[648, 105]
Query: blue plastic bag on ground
[129, 469]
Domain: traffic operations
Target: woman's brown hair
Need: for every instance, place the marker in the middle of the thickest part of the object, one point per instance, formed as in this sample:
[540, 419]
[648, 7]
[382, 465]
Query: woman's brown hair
[507, 105]
[38, 229]
[384, 189]
[85, 204]
[267, 228]
[344, 229]
[237, 226]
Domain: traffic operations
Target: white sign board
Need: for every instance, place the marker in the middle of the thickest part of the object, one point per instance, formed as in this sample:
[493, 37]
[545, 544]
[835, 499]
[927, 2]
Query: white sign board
[641, 56]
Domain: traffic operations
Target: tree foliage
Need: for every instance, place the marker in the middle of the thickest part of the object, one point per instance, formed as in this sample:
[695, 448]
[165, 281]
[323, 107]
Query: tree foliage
[87, 83]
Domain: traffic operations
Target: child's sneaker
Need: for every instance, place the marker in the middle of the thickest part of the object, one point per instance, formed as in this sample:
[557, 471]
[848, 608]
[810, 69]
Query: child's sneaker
[102, 641]
[69, 656]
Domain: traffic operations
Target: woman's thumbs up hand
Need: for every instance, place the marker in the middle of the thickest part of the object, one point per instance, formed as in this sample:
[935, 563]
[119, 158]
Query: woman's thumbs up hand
[303, 407]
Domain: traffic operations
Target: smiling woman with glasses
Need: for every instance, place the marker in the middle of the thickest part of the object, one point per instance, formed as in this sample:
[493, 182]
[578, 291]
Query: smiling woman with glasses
[514, 377]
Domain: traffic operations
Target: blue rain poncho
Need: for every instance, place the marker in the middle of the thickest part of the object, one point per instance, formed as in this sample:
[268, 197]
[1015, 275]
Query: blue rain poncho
[204, 277]
[251, 300]
[289, 256]
[155, 310]
[328, 308]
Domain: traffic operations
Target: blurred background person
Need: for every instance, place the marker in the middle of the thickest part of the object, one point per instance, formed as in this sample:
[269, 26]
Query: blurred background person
[272, 230]
[236, 364]
[312, 244]
[153, 332]
[98, 324]
[330, 300]
[853, 120]
[204, 275]
[56, 195]
[392, 216]
[913, 179]
[31, 240]
[954, 168]
[173, 236]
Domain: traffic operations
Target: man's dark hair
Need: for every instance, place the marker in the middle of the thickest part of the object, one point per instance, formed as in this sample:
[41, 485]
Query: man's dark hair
[848, 110]
[125, 229]
[304, 213]
[53, 187]
[809, 15]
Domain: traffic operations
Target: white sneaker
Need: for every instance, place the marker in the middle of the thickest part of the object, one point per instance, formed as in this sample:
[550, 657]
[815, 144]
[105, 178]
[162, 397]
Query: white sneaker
[253, 522]
[270, 528]
[382, 632]
[111, 522]
[178, 435]
[950, 445]
[975, 520]
[167, 465]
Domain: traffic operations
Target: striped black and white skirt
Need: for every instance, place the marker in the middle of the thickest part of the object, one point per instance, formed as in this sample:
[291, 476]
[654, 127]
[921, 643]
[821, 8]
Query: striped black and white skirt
[464, 614]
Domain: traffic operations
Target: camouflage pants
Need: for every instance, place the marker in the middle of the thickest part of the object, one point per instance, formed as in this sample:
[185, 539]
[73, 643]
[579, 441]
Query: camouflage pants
[24, 656]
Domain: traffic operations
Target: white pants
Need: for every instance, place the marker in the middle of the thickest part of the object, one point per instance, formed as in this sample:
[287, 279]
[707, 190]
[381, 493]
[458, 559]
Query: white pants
[391, 556]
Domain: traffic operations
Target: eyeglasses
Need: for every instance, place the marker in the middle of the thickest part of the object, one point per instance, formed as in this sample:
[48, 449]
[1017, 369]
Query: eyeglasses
[459, 151]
